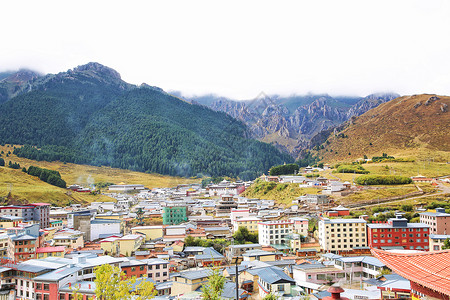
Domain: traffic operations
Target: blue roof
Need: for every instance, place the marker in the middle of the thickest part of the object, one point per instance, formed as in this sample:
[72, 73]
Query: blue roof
[209, 253]
[58, 274]
[273, 275]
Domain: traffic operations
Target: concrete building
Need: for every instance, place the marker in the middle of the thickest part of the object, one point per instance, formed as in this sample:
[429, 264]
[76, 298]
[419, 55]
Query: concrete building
[237, 250]
[397, 232]
[123, 188]
[104, 227]
[338, 235]
[300, 226]
[251, 223]
[438, 221]
[317, 199]
[274, 232]
[174, 215]
[37, 212]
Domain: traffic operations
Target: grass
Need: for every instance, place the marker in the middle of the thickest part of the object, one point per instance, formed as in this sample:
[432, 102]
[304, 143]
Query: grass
[28, 188]
[380, 192]
[282, 193]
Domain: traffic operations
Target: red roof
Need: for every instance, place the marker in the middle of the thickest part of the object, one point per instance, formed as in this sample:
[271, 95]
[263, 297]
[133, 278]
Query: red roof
[50, 249]
[429, 269]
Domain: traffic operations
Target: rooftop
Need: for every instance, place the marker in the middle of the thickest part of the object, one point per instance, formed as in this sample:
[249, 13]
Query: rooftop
[424, 268]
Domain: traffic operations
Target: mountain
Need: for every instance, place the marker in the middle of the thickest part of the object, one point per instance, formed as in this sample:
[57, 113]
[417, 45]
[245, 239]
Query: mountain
[408, 124]
[14, 83]
[290, 123]
[89, 115]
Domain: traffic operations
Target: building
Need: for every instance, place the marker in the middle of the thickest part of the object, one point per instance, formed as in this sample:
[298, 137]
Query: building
[123, 188]
[225, 205]
[428, 272]
[337, 235]
[174, 215]
[130, 243]
[397, 232]
[275, 281]
[158, 269]
[438, 221]
[237, 250]
[317, 199]
[274, 232]
[300, 226]
[150, 232]
[251, 223]
[37, 212]
[189, 281]
[338, 212]
[44, 252]
[104, 227]
[437, 241]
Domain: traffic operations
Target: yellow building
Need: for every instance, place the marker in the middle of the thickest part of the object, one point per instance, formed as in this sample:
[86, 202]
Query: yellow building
[260, 255]
[4, 245]
[70, 239]
[189, 281]
[110, 246]
[50, 233]
[150, 232]
[50, 252]
[342, 234]
[130, 243]
[251, 223]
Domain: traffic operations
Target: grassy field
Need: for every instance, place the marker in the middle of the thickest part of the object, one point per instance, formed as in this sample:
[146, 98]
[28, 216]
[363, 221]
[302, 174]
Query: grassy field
[380, 192]
[28, 188]
[282, 193]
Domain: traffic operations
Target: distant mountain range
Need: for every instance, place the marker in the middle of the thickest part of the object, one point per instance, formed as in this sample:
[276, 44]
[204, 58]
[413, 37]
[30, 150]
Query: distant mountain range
[89, 115]
[290, 123]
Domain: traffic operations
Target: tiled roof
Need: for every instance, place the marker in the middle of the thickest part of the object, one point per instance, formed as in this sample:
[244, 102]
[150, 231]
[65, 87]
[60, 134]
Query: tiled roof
[429, 269]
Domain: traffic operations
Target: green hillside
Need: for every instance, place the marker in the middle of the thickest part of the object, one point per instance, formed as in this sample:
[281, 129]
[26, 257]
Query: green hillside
[90, 116]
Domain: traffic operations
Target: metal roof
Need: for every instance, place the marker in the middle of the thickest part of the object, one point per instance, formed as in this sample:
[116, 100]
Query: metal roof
[272, 275]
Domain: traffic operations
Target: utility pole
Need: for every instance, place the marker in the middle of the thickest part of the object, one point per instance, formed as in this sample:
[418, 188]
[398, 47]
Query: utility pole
[237, 280]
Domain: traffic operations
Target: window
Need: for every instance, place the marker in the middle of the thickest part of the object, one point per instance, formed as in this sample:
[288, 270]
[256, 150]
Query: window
[39, 297]
[46, 297]
[280, 287]
[46, 288]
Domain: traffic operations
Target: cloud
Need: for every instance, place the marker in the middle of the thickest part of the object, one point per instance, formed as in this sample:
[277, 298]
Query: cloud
[239, 48]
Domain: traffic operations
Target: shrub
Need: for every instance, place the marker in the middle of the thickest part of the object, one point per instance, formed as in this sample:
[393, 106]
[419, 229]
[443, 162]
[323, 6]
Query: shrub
[382, 180]
[358, 169]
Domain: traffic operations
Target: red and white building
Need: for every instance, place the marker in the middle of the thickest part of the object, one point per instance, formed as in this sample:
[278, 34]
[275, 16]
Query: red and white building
[396, 233]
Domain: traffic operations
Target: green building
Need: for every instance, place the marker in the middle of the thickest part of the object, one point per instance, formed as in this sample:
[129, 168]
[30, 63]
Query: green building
[173, 215]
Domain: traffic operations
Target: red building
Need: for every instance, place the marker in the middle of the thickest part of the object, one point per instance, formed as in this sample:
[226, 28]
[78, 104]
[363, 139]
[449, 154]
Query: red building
[135, 268]
[428, 272]
[397, 232]
[338, 212]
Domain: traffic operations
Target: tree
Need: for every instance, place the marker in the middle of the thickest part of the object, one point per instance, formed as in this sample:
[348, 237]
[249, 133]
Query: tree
[111, 283]
[446, 244]
[2, 162]
[270, 296]
[145, 289]
[242, 235]
[213, 289]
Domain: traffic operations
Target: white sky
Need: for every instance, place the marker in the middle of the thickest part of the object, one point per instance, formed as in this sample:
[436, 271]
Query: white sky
[239, 48]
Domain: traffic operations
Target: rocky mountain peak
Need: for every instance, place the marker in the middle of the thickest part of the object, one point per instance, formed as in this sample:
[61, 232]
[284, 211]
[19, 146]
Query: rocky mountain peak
[98, 69]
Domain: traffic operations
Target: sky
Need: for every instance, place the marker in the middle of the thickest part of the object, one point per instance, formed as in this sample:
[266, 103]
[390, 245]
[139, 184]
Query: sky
[238, 49]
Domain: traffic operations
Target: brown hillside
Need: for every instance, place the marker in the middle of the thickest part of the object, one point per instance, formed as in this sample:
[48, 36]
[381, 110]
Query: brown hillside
[404, 126]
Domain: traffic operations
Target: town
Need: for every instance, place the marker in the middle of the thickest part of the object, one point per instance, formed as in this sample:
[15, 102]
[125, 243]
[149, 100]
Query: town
[174, 237]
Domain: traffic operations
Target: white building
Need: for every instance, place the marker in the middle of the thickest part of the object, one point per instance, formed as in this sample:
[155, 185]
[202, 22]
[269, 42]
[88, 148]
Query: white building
[274, 232]
[342, 234]
[101, 228]
[126, 187]
[300, 226]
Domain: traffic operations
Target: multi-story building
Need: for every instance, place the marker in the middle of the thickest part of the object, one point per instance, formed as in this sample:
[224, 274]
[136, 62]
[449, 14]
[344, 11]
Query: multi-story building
[300, 226]
[438, 221]
[38, 212]
[237, 250]
[158, 269]
[251, 223]
[274, 232]
[397, 232]
[174, 215]
[225, 205]
[336, 235]
[317, 199]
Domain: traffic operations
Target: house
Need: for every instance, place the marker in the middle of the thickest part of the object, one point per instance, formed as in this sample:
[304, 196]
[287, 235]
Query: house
[437, 241]
[260, 255]
[157, 269]
[209, 257]
[130, 243]
[237, 250]
[251, 223]
[189, 281]
[316, 199]
[44, 252]
[101, 227]
[275, 281]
